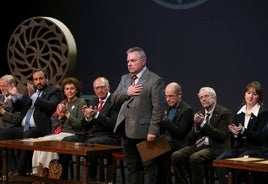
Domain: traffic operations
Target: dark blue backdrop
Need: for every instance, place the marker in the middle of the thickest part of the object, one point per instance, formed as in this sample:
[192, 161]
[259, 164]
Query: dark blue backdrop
[220, 43]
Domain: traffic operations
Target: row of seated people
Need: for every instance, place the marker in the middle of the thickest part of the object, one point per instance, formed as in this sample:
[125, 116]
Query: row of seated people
[30, 115]
[217, 133]
[194, 138]
[68, 111]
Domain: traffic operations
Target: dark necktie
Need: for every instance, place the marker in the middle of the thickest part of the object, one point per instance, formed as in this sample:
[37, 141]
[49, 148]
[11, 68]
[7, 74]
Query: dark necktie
[101, 103]
[201, 140]
[207, 117]
[133, 78]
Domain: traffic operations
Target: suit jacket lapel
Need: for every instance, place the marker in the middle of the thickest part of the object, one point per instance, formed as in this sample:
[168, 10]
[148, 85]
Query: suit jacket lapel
[106, 106]
[177, 114]
[144, 77]
[215, 114]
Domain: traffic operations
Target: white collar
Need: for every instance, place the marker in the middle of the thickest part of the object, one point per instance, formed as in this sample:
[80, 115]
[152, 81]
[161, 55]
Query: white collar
[255, 110]
[105, 98]
[141, 72]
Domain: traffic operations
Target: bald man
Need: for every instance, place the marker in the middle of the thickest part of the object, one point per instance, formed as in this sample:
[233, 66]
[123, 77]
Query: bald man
[176, 124]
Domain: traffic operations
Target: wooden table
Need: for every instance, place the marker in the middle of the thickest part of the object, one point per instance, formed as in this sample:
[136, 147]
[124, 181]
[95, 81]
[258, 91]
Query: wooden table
[78, 149]
[249, 164]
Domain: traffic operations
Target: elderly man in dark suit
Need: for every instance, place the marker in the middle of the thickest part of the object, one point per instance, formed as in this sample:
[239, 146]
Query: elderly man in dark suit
[37, 105]
[8, 115]
[7, 111]
[209, 137]
[141, 93]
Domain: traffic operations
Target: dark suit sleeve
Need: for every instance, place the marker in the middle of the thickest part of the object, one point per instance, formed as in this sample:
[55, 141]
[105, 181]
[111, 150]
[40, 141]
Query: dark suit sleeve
[120, 95]
[105, 121]
[253, 134]
[181, 126]
[11, 117]
[48, 104]
[86, 125]
[158, 104]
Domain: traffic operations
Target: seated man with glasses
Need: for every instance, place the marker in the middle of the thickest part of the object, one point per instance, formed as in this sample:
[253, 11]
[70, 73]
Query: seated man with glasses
[208, 138]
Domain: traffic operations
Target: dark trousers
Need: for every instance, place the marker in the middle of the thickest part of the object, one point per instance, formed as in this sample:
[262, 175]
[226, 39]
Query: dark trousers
[93, 161]
[137, 170]
[193, 159]
[164, 169]
[24, 163]
[11, 157]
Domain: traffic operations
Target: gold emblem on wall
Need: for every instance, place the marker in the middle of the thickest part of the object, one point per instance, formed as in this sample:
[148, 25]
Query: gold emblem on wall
[41, 42]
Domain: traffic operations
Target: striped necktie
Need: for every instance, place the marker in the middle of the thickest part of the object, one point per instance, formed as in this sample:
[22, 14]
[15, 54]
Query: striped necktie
[133, 78]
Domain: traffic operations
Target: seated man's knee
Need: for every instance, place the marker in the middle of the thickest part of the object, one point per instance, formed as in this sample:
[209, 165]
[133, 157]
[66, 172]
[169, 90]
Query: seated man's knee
[195, 159]
[176, 156]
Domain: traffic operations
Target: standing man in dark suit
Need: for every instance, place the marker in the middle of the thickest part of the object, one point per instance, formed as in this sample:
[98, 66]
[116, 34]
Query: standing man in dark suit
[37, 105]
[98, 123]
[209, 137]
[141, 93]
[176, 124]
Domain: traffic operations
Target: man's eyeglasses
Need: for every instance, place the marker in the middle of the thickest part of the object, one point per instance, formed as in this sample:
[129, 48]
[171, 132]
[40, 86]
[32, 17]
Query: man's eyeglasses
[100, 87]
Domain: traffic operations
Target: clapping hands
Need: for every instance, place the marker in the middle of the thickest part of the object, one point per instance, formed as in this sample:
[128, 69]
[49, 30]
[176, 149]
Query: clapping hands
[61, 110]
[2, 110]
[89, 112]
[198, 119]
[12, 90]
[235, 129]
[30, 88]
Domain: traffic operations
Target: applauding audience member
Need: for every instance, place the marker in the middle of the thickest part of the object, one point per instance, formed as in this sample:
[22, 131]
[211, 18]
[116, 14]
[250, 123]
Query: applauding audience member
[37, 105]
[176, 124]
[66, 123]
[246, 129]
[8, 115]
[209, 137]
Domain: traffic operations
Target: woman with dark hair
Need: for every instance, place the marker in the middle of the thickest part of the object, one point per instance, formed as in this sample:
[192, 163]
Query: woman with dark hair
[246, 130]
[66, 121]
